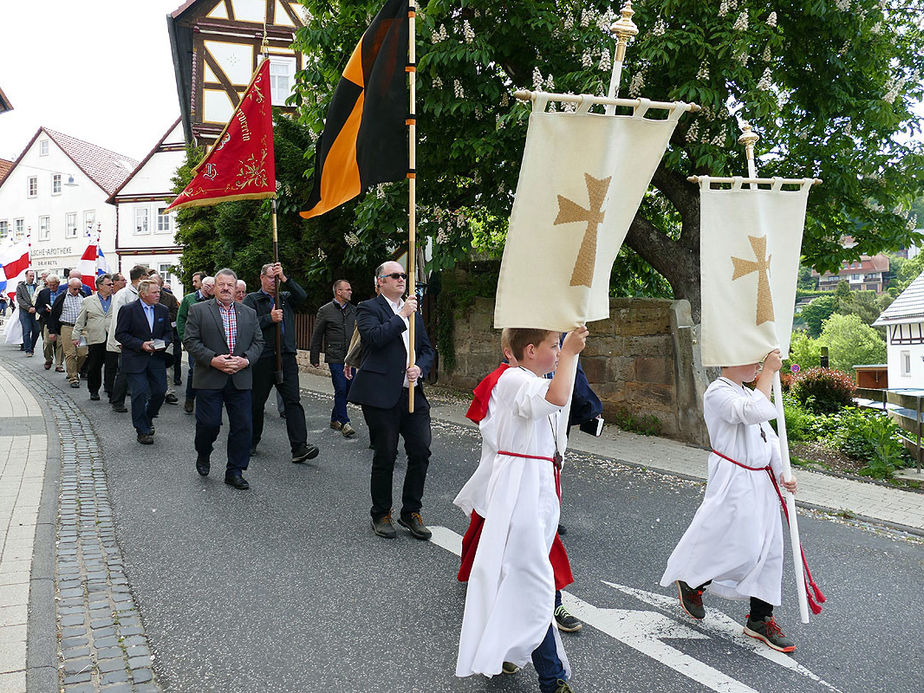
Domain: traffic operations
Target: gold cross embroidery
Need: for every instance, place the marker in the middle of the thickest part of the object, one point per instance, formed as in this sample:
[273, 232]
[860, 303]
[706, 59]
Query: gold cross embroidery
[569, 211]
[762, 267]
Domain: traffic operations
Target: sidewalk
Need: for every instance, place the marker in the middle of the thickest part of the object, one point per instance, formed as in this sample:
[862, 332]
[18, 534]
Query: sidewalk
[23, 453]
[862, 500]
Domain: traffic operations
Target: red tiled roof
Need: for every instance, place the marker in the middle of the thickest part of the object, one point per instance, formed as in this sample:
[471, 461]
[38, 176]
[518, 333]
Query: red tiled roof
[875, 263]
[106, 168]
[5, 167]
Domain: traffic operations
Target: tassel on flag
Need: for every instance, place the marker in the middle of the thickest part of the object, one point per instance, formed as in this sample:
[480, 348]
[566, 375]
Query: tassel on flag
[240, 165]
[365, 134]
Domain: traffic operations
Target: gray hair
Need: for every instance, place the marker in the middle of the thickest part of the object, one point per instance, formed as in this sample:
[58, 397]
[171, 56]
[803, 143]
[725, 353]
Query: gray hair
[145, 286]
[265, 268]
[52, 278]
[101, 279]
[228, 272]
[208, 280]
[74, 281]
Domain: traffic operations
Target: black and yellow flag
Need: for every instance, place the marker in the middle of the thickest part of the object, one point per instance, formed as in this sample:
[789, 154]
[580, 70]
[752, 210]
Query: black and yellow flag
[365, 138]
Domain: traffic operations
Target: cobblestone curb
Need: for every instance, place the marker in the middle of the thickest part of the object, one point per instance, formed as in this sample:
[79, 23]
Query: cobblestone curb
[101, 641]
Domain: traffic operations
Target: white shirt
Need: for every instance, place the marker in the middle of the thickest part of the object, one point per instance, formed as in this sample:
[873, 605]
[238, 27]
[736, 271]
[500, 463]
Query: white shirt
[404, 335]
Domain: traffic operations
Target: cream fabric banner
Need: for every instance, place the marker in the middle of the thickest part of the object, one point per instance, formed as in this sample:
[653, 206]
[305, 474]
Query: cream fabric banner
[581, 181]
[750, 244]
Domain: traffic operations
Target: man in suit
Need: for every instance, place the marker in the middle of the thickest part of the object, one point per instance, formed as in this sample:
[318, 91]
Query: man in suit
[44, 300]
[264, 370]
[25, 302]
[224, 338]
[381, 388]
[143, 330]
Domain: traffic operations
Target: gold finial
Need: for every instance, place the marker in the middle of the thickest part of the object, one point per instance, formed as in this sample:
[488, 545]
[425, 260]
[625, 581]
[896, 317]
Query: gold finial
[624, 29]
[748, 139]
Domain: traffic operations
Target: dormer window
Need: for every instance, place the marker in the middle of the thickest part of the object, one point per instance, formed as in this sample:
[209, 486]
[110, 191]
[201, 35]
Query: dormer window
[43, 147]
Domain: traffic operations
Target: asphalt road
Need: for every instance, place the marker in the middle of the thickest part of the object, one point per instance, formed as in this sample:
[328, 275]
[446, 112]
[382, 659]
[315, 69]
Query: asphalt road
[285, 588]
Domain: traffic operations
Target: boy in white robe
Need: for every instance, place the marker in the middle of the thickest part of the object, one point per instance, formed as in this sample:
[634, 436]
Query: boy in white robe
[511, 589]
[734, 545]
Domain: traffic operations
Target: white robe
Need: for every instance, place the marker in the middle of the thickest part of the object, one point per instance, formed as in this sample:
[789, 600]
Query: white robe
[511, 591]
[736, 536]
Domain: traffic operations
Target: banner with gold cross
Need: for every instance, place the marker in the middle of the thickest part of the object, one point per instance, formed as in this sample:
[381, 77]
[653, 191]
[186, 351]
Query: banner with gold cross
[582, 179]
[750, 245]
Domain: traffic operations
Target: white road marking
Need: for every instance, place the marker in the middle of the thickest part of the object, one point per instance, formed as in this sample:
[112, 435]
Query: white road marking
[643, 631]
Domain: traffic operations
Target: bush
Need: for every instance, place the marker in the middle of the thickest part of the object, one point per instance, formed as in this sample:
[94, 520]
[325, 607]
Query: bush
[799, 420]
[870, 437]
[824, 390]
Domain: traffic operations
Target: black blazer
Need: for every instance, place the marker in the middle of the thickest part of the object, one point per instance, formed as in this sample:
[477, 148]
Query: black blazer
[380, 377]
[43, 305]
[263, 304]
[132, 330]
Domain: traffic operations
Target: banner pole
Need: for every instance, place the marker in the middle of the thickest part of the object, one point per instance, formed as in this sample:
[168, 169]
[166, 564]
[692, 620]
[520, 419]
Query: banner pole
[276, 304]
[748, 138]
[412, 193]
[623, 29]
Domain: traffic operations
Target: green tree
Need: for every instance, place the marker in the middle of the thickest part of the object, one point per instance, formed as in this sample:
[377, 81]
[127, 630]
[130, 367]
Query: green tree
[827, 85]
[804, 351]
[851, 342]
[816, 312]
[806, 281]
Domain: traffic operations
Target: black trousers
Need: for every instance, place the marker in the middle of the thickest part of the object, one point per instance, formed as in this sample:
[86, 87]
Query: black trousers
[264, 380]
[177, 359]
[119, 386]
[96, 359]
[384, 427]
[109, 373]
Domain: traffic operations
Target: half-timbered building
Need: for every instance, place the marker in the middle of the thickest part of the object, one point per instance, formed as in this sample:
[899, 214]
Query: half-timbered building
[904, 324]
[216, 47]
[145, 231]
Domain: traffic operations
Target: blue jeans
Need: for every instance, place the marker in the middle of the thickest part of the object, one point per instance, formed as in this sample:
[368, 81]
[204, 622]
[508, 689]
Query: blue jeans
[548, 665]
[30, 330]
[148, 389]
[208, 424]
[341, 390]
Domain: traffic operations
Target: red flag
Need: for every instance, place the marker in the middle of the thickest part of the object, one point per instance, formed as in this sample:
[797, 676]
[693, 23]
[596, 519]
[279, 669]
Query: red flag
[240, 165]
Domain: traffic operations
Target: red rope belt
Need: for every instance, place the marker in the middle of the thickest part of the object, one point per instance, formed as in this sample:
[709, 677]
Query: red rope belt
[556, 466]
[807, 577]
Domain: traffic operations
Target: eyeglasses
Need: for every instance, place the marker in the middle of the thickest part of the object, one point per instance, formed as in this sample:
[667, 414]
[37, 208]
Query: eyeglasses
[394, 275]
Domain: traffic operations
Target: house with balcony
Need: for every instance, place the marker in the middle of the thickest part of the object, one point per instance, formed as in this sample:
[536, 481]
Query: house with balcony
[869, 273]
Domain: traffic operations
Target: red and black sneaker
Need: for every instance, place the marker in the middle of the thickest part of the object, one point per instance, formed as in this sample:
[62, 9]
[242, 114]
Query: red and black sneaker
[770, 633]
[691, 600]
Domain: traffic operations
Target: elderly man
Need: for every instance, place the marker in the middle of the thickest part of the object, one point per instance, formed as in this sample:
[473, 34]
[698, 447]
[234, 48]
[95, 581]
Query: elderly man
[168, 300]
[113, 349]
[203, 292]
[61, 323]
[333, 326]
[269, 314]
[25, 302]
[93, 325]
[143, 330]
[224, 338]
[75, 274]
[240, 290]
[44, 300]
[381, 387]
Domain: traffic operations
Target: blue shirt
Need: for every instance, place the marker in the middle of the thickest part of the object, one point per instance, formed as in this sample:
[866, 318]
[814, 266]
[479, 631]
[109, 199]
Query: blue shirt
[105, 302]
[149, 314]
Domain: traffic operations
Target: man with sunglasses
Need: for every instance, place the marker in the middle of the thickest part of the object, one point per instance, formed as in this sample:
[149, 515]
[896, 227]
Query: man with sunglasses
[381, 387]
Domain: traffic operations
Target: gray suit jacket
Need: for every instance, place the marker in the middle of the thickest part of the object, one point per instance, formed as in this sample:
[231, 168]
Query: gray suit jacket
[204, 339]
[23, 301]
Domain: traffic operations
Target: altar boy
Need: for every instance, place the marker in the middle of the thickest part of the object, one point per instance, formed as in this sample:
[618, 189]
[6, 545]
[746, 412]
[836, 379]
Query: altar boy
[511, 590]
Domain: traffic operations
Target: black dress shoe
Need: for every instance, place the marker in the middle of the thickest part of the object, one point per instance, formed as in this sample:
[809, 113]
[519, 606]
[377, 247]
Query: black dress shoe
[171, 398]
[188, 406]
[383, 526]
[94, 396]
[145, 439]
[237, 482]
[119, 408]
[562, 531]
[202, 465]
[303, 453]
[413, 523]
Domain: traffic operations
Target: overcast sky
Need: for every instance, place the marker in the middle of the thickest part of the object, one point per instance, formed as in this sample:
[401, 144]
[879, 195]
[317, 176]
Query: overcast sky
[98, 70]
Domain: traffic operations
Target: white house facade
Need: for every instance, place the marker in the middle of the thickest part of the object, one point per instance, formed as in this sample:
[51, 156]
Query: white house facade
[145, 232]
[56, 194]
[904, 323]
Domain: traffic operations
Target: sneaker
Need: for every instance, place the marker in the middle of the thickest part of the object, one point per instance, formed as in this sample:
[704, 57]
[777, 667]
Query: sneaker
[691, 600]
[383, 526]
[565, 621]
[336, 425]
[509, 668]
[563, 687]
[171, 398]
[769, 633]
[348, 431]
[413, 523]
[303, 453]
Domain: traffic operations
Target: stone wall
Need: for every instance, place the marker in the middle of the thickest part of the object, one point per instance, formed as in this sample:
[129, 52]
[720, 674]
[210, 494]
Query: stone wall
[642, 359]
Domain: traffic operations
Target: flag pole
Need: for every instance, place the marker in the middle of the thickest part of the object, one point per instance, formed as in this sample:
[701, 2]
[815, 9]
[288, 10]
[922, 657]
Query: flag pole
[748, 138]
[623, 29]
[277, 375]
[412, 191]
